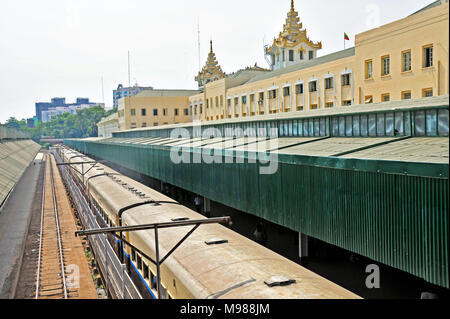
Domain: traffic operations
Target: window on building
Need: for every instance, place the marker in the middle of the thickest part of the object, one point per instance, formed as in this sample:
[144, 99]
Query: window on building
[133, 254]
[186, 112]
[428, 56]
[217, 101]
[176, 112]
[145, 271]
[144, 124]
[143, 112]
[244, 99]
[261, 98]
[302, 55]
[368, 99]
[155, 124]
[210, 102]
[313, 86]
[221, 100]
[313, 106]
[406, 61]
[139, 262]
[286, 91]
[311, 55]
[291, 55]
[328, 83]
[385, 97]
[155, 112]
[299, 88]
[153, 282]
[272, 94]
[369, 69]
[346, 102]
[427, 92]
[207, 103]
[133, 125]
[345, 79]
[165, 112]
[329, 104]
[283, 52]
[236, 101]
[385, 65]
[406, 95]
[133, 112]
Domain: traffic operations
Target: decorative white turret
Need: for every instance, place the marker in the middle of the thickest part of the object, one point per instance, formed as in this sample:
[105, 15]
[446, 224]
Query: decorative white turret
[292, 45]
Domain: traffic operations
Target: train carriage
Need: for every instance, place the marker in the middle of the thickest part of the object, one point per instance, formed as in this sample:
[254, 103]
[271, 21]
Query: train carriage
[214, 262]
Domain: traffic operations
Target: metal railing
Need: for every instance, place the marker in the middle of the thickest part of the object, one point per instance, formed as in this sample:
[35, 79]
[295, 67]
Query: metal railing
[117, 280]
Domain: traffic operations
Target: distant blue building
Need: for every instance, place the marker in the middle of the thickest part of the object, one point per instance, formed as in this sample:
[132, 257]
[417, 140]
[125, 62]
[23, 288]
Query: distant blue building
[121, 92]
[59, 102]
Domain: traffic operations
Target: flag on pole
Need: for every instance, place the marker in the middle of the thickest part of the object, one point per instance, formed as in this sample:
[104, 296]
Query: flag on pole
[346, 36]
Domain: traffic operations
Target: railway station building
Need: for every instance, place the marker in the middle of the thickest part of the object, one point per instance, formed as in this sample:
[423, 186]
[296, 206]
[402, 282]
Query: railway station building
[405, 59]
[154, 108]
[361, 149]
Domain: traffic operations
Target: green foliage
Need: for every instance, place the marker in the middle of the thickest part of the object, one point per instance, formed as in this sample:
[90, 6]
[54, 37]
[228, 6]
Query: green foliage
[67, 125]
[14, 123]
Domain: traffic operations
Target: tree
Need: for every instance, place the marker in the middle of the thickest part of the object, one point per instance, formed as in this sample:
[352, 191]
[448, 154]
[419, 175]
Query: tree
[80, 125]
[14, 123]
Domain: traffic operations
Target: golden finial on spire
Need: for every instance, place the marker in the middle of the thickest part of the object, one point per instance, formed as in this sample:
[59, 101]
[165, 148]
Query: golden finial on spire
[211, 45]
[292, 5]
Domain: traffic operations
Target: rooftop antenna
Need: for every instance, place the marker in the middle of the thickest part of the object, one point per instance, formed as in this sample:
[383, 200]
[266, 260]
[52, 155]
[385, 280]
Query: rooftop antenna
[198, 34]
[103, 92]
[266, 57]
[129, 81]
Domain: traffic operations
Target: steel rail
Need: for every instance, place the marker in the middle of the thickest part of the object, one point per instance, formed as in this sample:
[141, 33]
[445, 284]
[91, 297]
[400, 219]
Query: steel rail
[41, 232]
[55, 209]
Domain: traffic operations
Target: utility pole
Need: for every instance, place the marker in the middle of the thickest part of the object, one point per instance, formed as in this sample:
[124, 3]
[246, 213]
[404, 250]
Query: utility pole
[129, 74]
[198, 32]
[103, 92]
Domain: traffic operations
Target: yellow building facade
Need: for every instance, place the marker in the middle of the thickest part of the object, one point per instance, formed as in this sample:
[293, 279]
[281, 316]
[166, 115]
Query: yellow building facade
[154, 108]
[405, 59]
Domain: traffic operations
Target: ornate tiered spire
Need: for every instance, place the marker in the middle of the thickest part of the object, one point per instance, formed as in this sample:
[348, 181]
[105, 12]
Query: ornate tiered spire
[292, 33]
[211, 71]
[293, 26]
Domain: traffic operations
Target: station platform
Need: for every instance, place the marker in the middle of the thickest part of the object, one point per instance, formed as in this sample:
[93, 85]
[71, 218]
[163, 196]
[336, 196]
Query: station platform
[15, 218]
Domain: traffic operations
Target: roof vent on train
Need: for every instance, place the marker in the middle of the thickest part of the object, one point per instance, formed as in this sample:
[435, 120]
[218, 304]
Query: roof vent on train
[216, 241]
[279, 280]
[180, 219]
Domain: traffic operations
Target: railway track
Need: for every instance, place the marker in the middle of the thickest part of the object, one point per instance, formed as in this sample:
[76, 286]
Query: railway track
[51, 275]
[55, 264]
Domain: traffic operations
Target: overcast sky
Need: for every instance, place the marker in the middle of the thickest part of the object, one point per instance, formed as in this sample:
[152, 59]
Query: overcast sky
[62, 48]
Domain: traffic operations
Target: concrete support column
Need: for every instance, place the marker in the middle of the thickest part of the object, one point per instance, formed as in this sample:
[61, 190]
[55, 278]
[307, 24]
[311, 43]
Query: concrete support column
[302, 246]
[207, 206]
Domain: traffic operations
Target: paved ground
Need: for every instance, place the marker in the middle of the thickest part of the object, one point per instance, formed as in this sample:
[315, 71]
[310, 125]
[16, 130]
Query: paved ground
[14, 221]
